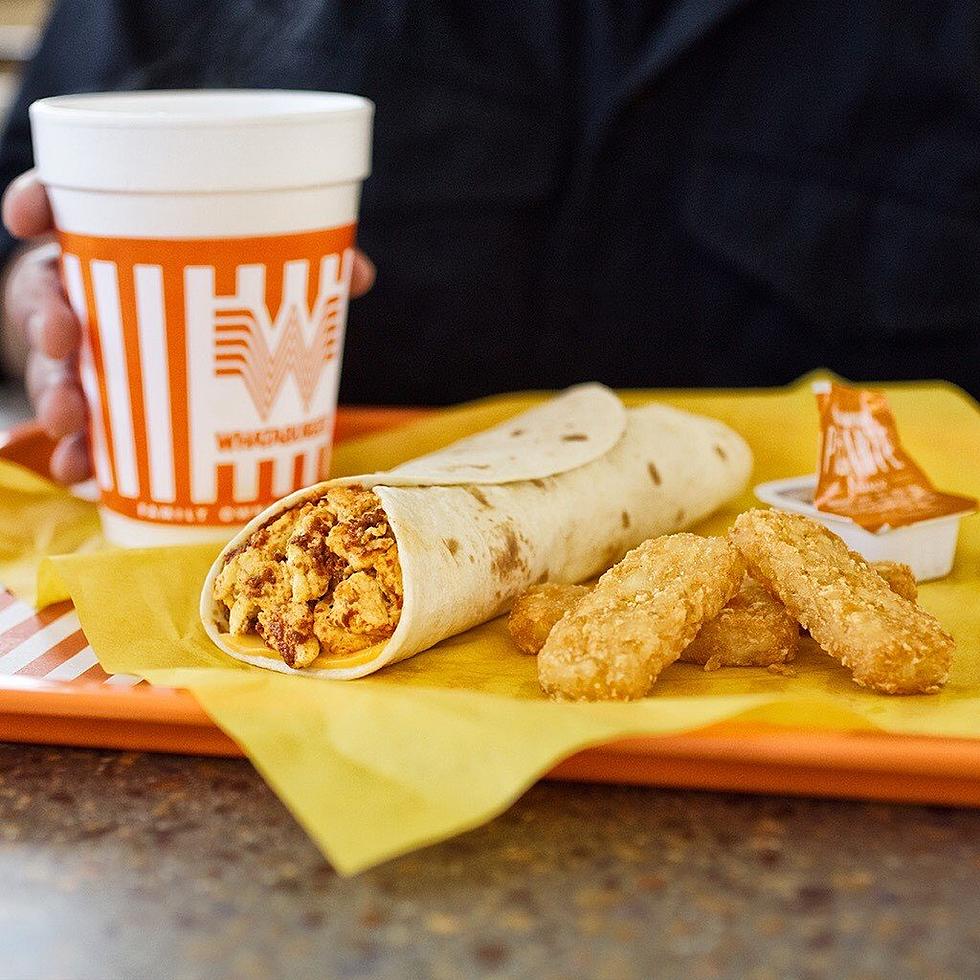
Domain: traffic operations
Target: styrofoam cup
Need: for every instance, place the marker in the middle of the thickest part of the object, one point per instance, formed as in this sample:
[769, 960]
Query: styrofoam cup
[207, 247]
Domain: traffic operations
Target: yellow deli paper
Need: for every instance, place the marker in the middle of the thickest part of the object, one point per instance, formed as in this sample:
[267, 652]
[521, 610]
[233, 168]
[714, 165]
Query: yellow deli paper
[39, 518]
[446, 740]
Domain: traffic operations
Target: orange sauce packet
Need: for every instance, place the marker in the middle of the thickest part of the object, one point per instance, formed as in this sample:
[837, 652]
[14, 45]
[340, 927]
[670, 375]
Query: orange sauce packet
[865, 474]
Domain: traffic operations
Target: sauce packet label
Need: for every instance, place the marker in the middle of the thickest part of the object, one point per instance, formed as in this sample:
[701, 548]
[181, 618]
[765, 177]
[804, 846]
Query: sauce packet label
[864, 473]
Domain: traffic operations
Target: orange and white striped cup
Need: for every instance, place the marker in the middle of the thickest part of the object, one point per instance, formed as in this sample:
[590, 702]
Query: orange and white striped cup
[207, 246]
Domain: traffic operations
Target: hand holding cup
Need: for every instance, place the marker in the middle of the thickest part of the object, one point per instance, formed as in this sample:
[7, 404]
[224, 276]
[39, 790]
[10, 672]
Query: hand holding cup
[38, 317]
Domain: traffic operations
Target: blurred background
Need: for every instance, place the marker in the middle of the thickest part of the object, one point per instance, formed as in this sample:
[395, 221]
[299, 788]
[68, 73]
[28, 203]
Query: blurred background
[20, 22]
[693, 192]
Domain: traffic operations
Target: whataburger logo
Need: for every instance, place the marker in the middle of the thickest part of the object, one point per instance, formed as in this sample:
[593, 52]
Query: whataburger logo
[264, 352]
[241, 350]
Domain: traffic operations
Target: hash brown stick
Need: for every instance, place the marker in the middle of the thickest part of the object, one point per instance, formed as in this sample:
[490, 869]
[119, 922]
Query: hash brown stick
[888, 643]
[899, 577]
[753, 630]
[536, 611]
[639, 618]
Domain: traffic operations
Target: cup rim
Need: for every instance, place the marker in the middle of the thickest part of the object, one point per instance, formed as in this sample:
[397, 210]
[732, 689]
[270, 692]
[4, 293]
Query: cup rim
[197, 108]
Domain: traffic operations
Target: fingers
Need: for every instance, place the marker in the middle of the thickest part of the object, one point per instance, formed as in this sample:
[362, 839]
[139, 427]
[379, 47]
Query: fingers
[61, 409]
[55, 390]
[56, 393]
[43, 373]
[53, 330]
[363, 274]
[33, 280]
[35, 306]
[26, 209]
[70, 462]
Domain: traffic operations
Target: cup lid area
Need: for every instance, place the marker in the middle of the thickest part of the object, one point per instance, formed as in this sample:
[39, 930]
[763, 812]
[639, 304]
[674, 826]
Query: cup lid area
[209, 107]
[201, 141]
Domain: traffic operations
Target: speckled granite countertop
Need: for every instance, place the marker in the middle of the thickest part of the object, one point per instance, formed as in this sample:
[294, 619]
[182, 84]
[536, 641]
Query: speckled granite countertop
[140, 866]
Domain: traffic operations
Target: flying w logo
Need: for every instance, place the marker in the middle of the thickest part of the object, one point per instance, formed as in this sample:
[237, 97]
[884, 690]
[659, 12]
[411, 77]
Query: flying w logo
[298, 343]
[240, 349]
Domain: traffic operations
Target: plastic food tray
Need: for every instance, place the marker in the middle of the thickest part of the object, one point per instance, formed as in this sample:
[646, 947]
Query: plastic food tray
[53, 691]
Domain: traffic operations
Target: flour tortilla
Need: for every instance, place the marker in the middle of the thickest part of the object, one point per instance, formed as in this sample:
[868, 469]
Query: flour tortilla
[561, 509]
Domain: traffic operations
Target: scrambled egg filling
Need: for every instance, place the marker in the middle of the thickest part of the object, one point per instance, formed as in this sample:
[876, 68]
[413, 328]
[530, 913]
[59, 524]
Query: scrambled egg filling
[321, 580]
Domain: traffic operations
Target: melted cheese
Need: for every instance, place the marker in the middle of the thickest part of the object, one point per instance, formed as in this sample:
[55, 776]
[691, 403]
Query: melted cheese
[250, 645]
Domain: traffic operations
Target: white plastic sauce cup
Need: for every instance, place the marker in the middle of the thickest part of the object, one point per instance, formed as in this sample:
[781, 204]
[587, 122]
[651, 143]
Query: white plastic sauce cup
[927, 547]
[207, 246]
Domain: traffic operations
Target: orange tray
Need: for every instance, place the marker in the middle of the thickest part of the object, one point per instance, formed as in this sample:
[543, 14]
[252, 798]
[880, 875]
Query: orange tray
[52, 691]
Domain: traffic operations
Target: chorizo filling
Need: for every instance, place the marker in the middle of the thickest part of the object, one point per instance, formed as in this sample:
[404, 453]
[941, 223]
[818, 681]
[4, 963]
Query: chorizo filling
[323, 579]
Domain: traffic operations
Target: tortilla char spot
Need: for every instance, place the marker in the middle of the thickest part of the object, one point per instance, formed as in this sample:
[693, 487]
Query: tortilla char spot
[517, 433]
[679, 519]
[505, 559]
[721, 452]
[575, 437]
[540, 484]
[654, 473]
[626, 519]
[452, 545]
[477, 494]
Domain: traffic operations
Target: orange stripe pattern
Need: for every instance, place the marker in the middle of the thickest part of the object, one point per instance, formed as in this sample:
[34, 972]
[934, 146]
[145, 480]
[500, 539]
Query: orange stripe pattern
[224, 353]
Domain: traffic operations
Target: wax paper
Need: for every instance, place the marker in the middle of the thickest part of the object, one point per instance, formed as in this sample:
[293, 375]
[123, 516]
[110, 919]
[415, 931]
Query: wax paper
[39, 518]
[444, 741]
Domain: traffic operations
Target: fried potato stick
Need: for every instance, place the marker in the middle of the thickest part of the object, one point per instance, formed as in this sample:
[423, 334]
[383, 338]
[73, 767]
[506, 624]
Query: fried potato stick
[899, 577]
[536, 611]
[639, 618]
[753, 630]
[888, 643]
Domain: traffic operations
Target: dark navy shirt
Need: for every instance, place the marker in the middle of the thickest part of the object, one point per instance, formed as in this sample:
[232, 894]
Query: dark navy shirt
[644, 192]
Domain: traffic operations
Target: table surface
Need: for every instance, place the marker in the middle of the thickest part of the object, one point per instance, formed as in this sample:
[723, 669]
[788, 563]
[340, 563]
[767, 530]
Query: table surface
[135, 865]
